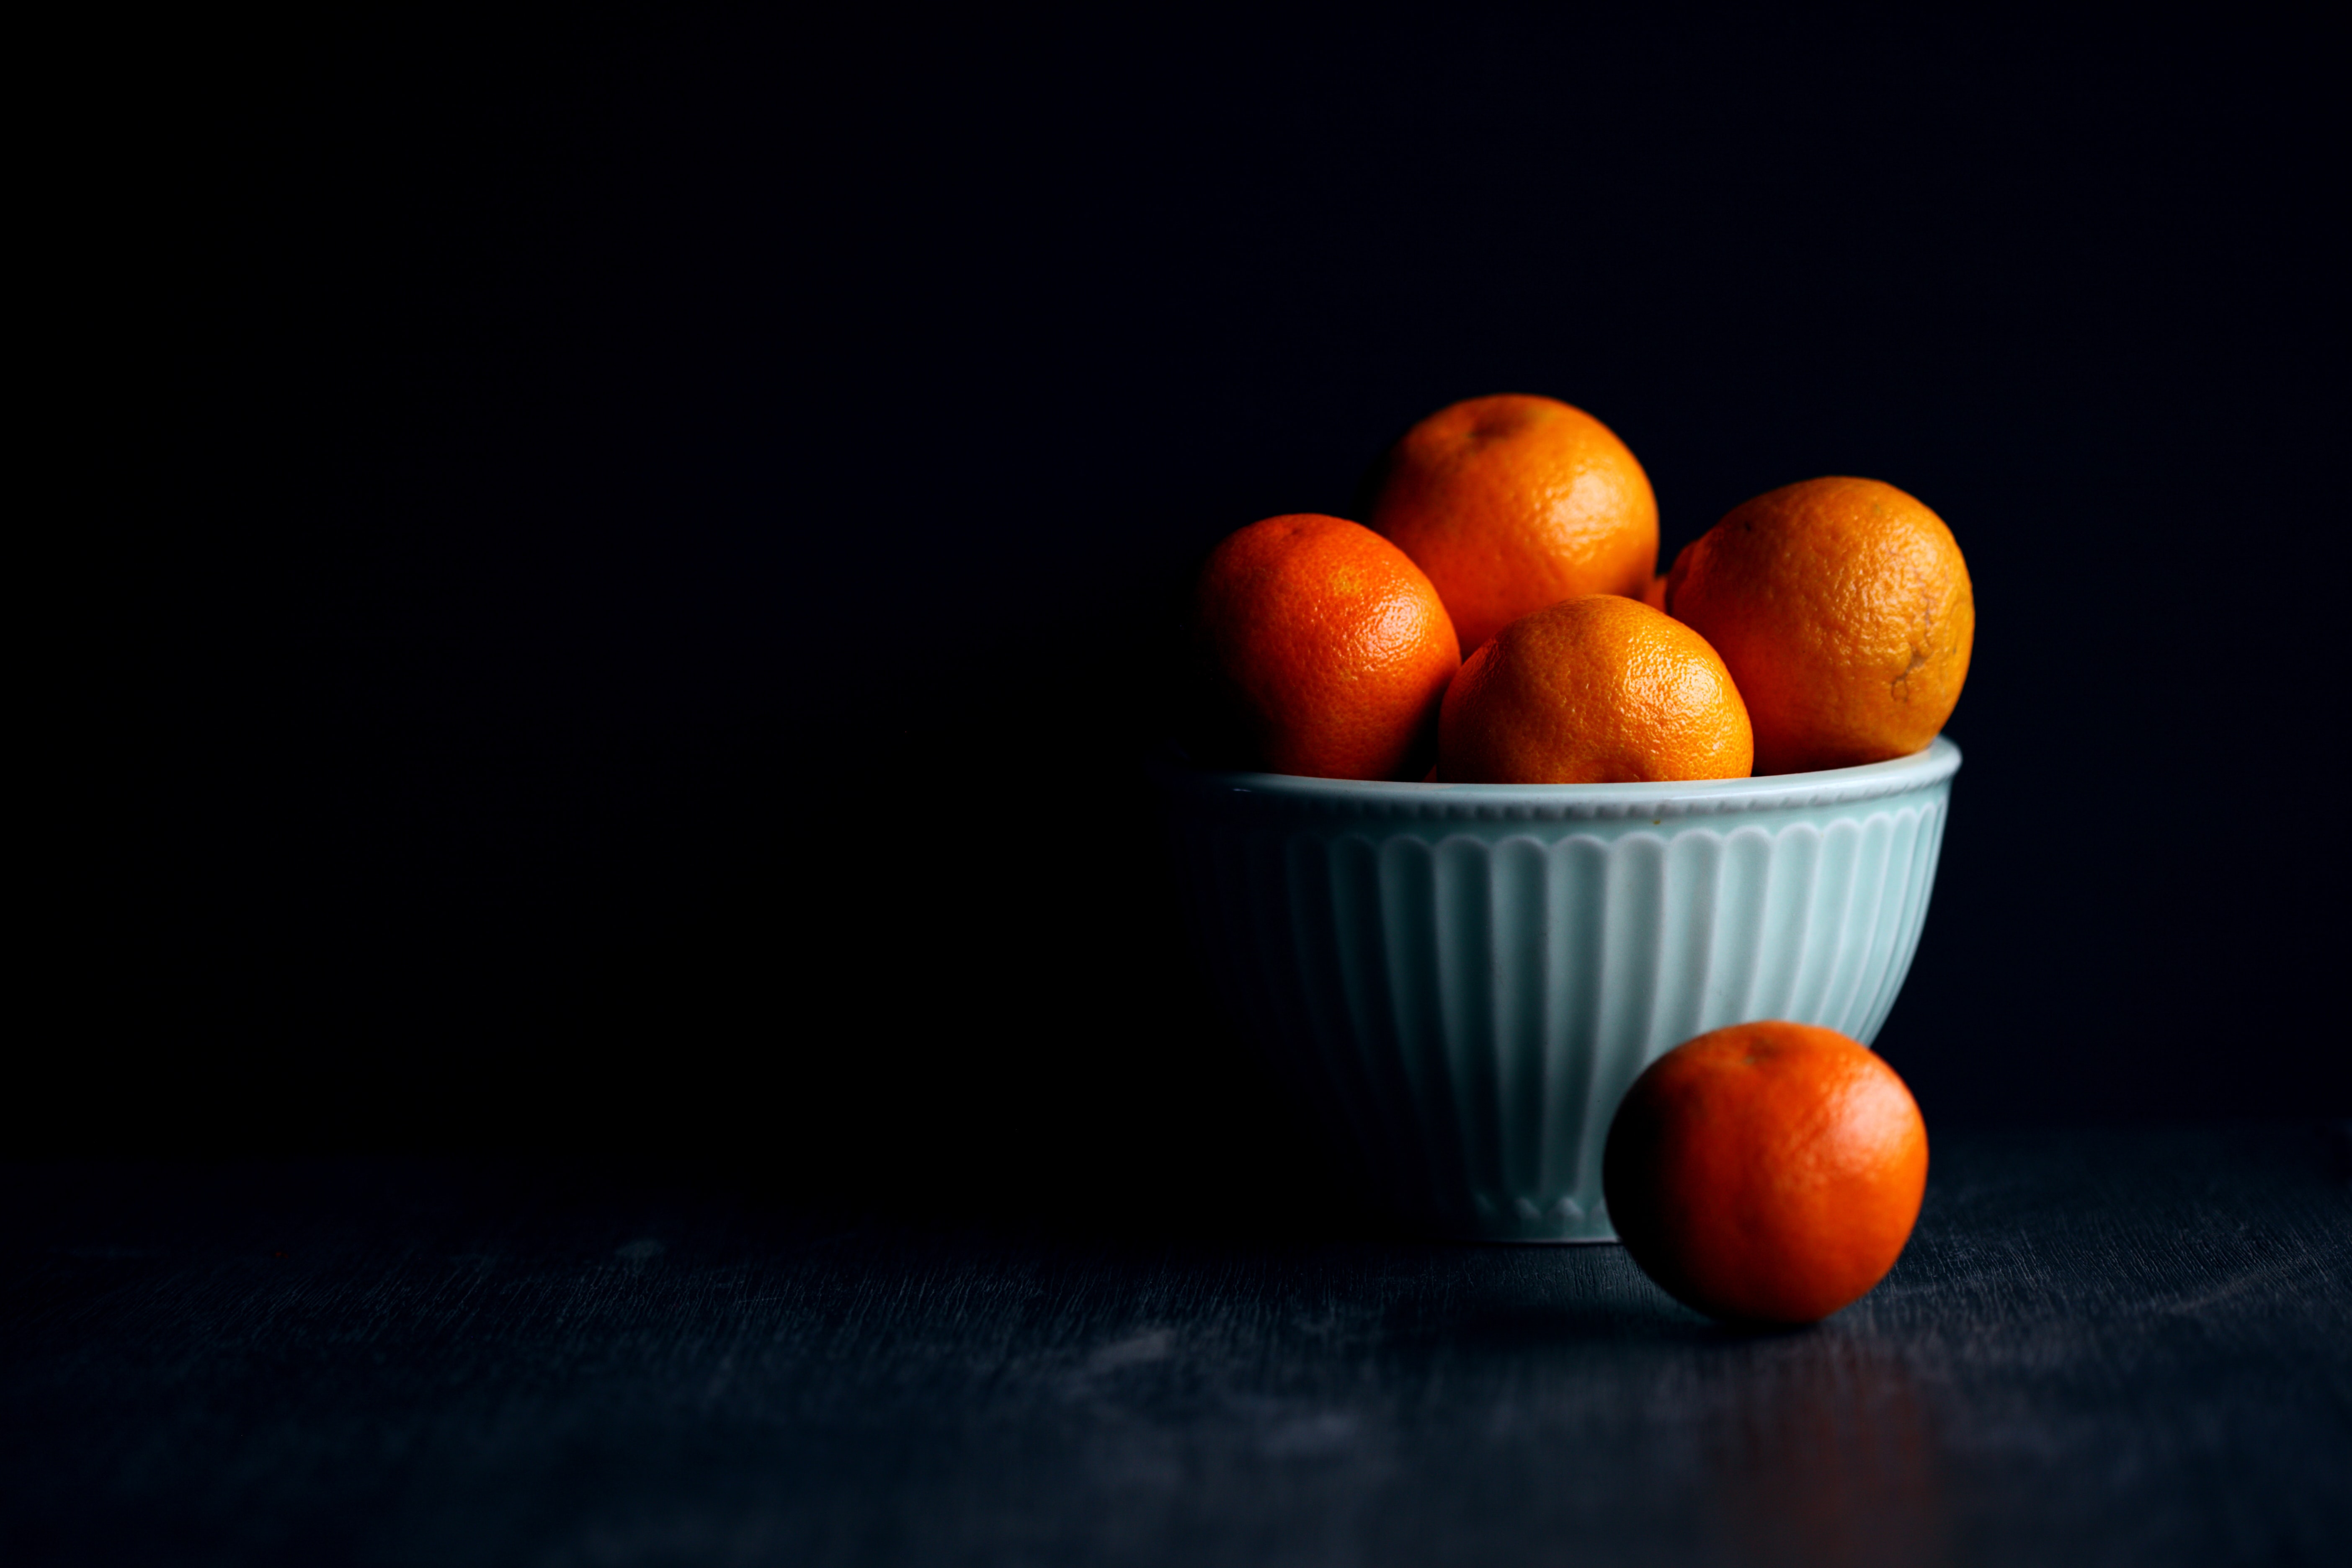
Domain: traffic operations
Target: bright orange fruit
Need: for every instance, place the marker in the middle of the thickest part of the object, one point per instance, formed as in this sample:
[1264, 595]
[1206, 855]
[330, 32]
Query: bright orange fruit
[1327, 649]
[1843, 610]
[1600, 690]
[1513, 502]
[1766, 1173]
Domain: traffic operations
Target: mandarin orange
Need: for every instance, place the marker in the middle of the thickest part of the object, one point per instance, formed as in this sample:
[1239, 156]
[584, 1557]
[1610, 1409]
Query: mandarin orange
[1599, 689]
[1326, 648]
[1514, 502]
[1766, 1173]
[1844, 609]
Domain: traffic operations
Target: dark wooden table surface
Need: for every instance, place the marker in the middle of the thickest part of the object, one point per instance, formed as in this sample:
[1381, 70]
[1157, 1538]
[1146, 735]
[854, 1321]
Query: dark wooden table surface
[2118, 1346]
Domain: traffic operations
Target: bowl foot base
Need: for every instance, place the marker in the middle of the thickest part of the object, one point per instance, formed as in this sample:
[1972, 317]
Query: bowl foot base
[1516, 1222]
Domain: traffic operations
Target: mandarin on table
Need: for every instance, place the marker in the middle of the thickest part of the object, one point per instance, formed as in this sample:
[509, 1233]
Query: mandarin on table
[1766, 1173]
[1514, 502]
[1325, 649]
[1844, 609]
[1600, 690]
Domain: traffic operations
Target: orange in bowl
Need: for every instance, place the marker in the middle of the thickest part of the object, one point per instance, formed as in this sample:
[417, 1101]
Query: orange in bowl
[1514, 502]
[1601, 690]
[1844, 609]
[1325, 649]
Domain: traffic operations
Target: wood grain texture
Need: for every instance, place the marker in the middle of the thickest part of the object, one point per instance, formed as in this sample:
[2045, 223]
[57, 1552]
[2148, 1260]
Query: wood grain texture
[2122, 1346]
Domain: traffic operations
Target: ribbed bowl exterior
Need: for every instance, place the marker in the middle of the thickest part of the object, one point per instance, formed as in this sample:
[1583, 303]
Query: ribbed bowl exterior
[1463, 980]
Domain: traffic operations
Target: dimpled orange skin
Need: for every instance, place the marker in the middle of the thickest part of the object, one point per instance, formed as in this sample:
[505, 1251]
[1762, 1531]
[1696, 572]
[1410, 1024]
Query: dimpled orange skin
[1602, 689]
[1514, 502]
[1766, 1173]
[1844, 609]
[1328, 645]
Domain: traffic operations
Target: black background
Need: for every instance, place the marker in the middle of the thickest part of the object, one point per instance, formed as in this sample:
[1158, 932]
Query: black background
[659, 533]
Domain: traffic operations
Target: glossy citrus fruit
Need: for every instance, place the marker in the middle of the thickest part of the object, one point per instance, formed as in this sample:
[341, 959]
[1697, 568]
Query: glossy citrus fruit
[1511, 503]
[1325, 649]
[1844, 609]
[1766, 1173]
[1600, 690]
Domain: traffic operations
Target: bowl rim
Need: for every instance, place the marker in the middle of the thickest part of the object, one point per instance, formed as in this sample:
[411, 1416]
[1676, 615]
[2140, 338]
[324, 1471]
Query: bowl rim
[1930, 765]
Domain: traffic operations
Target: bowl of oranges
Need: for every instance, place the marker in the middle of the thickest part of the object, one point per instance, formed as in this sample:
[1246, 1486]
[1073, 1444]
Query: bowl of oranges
[1477, 816]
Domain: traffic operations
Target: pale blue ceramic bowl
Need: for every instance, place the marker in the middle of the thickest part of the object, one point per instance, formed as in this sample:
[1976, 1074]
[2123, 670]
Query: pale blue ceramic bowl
[1463, 980]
